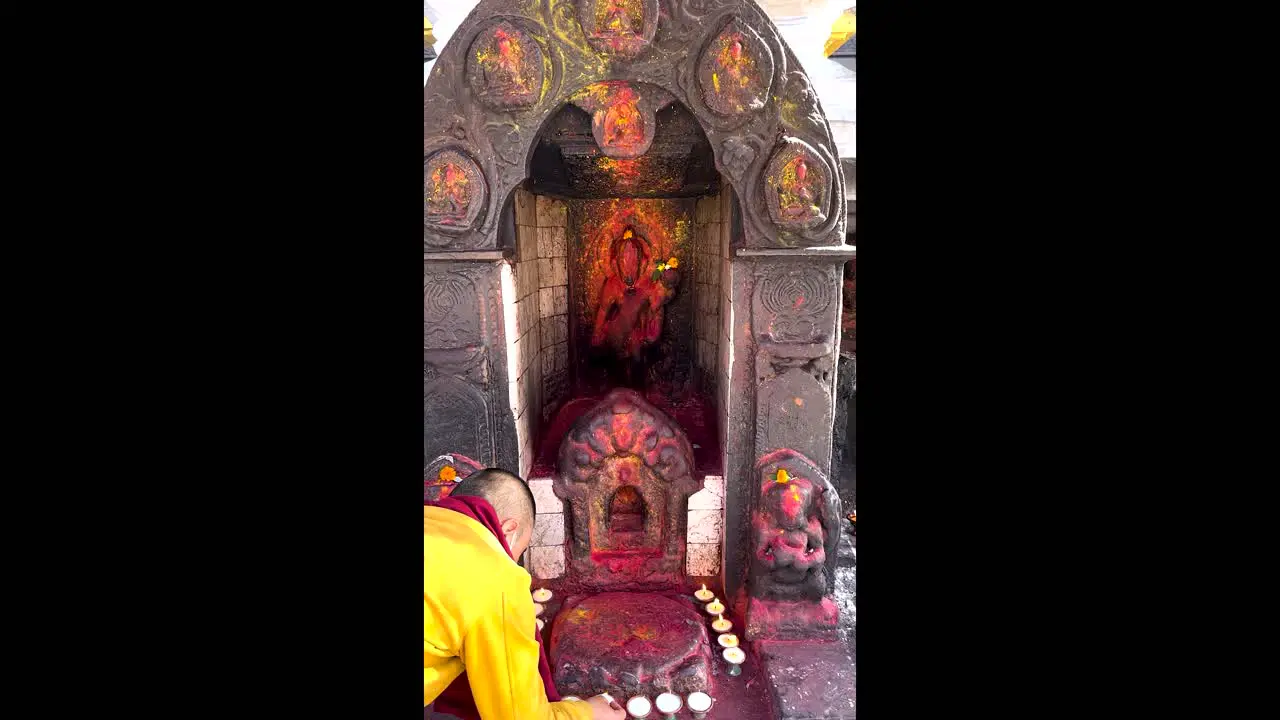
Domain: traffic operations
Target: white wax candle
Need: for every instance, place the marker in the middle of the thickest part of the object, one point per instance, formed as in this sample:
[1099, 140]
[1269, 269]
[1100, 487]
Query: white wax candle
[704, 594]
[639, 707]
[727, 640]
[537, 609]
[668, 703]
[715, 607]
[699, 702]
[541, 595]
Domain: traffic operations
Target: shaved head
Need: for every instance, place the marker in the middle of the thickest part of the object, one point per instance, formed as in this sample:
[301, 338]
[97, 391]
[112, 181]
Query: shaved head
[511, 499]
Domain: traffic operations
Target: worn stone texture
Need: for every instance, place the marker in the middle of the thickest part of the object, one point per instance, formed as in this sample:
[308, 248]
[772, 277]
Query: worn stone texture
[548, 562]
[552, 271]
[526, 214]
[466, 373]
[630, 644]
[551, 212]
[704, 559]
[544, 497]
[705, 526]
[711, 496]
[626, 458]
[548, 529]
[551, 242]
[811, 681]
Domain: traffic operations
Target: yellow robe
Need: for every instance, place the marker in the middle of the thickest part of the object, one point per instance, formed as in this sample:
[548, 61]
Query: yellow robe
[478, 617]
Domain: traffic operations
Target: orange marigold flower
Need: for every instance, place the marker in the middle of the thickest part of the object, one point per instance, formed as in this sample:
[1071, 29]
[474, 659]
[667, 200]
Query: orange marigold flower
[782, 477]
[448, 474]
[673, 262]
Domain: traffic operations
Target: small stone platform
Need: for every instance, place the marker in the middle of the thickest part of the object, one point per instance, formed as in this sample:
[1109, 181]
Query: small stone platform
[811, 681]
[636, 643]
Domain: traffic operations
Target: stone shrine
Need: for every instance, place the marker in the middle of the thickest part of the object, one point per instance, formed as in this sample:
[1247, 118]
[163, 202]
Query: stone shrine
[633, 250]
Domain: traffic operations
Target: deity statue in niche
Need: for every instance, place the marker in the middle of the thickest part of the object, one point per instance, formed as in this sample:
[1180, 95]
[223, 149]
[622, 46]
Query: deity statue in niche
[793, 524]
[629, 317]
[795, 196]
[448, 195]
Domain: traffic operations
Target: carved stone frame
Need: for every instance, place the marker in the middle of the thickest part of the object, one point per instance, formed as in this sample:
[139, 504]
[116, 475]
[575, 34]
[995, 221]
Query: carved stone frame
[785, 361]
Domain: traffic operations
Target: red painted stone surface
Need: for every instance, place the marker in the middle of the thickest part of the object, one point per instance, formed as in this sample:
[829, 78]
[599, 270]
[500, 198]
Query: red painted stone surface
[626, 471]
[745, 697]
[694, 412]
[792, 620]
[639, 643]
[442, 474]
[631, 295]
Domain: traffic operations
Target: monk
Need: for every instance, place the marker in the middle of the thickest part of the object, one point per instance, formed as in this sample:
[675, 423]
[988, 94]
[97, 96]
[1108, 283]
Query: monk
[481, 657]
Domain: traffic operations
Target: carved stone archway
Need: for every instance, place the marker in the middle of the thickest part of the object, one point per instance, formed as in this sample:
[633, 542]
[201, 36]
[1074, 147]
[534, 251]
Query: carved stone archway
[509, 68]
[511, 65]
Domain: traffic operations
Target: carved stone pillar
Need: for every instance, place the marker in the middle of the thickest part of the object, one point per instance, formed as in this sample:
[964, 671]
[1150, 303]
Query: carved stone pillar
[465, 396]
[786, 336]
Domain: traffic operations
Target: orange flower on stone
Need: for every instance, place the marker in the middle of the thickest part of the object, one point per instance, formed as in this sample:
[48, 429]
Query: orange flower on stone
[782, 476]
[448, 474]
[673, 263]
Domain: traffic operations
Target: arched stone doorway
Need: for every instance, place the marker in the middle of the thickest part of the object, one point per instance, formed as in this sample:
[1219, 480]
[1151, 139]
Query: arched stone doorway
[774, 220]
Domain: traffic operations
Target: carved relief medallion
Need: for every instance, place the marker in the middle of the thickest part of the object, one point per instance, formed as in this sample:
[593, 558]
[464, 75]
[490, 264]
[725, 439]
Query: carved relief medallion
[619, 28]
[454, 192]
[735, 71]
[797, 185]
[795, 305]
[506, 68]
[623, 115]
[450, 311]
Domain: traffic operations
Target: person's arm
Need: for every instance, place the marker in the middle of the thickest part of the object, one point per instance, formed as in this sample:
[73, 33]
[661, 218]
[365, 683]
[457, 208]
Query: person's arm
[501, 659]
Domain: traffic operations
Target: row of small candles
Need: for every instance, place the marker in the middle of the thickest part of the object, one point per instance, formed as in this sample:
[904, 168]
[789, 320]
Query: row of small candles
[667, 703]
[727, 640]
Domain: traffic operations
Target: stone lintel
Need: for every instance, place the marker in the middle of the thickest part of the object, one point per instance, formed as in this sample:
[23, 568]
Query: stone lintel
[835, 253]
[469, 255]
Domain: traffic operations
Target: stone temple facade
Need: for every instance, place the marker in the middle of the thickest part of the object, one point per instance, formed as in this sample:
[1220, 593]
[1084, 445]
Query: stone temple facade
[635, 253]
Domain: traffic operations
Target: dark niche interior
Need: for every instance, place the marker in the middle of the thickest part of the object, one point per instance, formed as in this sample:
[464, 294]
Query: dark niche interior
[626, 510]
[634, 245]
[568, 163]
